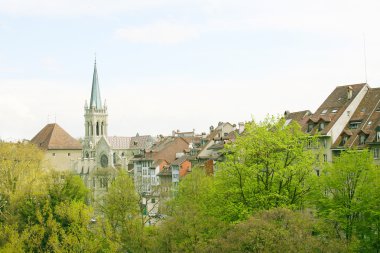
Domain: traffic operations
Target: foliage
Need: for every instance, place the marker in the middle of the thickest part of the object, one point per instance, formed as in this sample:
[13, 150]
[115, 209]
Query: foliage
[349, 198]
[190, 225]
[278, 230]
[120, 207]
[268, 166]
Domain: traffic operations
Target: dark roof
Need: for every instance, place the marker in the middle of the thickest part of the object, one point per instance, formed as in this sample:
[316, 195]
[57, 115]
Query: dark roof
[300, 117]
[180, 160]
[369, 118]
[52, 136]
[338, 101]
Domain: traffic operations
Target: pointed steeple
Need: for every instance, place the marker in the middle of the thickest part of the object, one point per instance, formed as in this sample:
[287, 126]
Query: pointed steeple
[95, 101]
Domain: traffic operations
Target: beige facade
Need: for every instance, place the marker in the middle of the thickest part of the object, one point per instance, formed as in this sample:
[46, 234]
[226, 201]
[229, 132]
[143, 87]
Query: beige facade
[61, 159]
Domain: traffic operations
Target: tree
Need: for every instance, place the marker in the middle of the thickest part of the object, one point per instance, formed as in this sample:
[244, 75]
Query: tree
[268, 166]
[190, 224]
[348, 197]
[278, 230]
[120, 208]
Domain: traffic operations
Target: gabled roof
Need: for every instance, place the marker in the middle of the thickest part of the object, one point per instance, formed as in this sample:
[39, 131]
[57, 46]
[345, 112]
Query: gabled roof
[367, 113]
[52, 136]
[300, 117]
[335, 105]
[180, 160]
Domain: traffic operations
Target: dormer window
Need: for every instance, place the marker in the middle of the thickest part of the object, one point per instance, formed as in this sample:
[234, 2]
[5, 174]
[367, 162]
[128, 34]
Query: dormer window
[321, 126]
[362, 139]
[354, 124]
[334, 110]
[324, 111]
[344, 140]
[310, 127]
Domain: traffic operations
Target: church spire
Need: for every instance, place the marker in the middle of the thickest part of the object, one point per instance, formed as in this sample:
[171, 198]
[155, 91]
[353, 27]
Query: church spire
[95, 101]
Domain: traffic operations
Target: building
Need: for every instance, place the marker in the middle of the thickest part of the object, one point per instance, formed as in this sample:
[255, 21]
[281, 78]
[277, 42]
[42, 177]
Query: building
[212, 150]
[348, 118]
[99, 149]
[151, 161]
[61, 150]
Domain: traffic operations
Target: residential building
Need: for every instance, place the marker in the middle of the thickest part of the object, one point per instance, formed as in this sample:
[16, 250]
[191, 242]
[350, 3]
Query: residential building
[348, 118]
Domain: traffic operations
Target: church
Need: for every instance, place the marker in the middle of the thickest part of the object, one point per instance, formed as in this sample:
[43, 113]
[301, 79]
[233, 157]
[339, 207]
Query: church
[97, 151]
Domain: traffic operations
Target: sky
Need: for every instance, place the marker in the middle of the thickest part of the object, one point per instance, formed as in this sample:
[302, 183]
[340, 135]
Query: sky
[165, 65]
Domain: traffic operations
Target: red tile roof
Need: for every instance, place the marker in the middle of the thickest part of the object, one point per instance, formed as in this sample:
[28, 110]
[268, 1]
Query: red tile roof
[52, 136]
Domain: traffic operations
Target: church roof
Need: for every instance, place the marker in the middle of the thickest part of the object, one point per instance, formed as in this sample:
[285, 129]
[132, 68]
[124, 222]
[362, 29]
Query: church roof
[95, 100]
[136, 142]
[52, 136]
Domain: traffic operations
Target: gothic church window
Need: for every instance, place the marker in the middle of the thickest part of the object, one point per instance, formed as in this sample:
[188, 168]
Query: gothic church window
[97, 128]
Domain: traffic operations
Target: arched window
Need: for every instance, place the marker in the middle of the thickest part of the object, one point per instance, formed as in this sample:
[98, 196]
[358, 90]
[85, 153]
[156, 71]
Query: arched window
[114, 158]
[97, 128]
[86, 155]
[102, 128]
[91, 129]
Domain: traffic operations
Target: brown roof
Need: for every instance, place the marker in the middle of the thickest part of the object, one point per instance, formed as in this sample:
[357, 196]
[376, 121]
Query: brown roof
[334, 106]
[300, 117]
[180, 160]
[52, 136]
[368, 117]
[167, 148]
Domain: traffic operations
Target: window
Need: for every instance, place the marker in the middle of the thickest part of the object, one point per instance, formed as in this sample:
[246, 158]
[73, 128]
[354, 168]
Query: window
[153, 201]
[362, 139]
[324, 157]
[324, 111]
[310, 127]
[321, 126]
[103, 182]
[175, 175]
[68, 154]
[225, 134]
[378, 136]
[324, 141]
[354, 124]
[53, 154]
[334, 110]
[369, 123]
[344, 140]
[376, 153]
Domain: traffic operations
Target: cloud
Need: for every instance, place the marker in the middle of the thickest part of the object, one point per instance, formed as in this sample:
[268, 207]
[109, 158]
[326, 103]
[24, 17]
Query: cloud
[160, 32]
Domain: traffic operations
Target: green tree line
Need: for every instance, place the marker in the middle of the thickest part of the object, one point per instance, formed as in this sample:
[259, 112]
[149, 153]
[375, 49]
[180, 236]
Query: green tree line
[264, 197]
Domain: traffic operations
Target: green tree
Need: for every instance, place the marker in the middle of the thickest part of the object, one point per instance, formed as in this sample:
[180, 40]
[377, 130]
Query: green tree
[120, 207]
[278, 230]
[190, 224]
[348, 197]
[268, 166]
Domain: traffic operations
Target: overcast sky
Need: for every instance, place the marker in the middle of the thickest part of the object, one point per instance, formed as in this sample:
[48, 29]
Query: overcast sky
[177, 64]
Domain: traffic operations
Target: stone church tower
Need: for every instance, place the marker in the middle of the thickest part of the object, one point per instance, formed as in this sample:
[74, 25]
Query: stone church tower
[95, 121]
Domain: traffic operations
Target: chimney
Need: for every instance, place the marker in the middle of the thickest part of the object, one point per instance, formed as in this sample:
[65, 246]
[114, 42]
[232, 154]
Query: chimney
[349, 92]
[241, 127]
